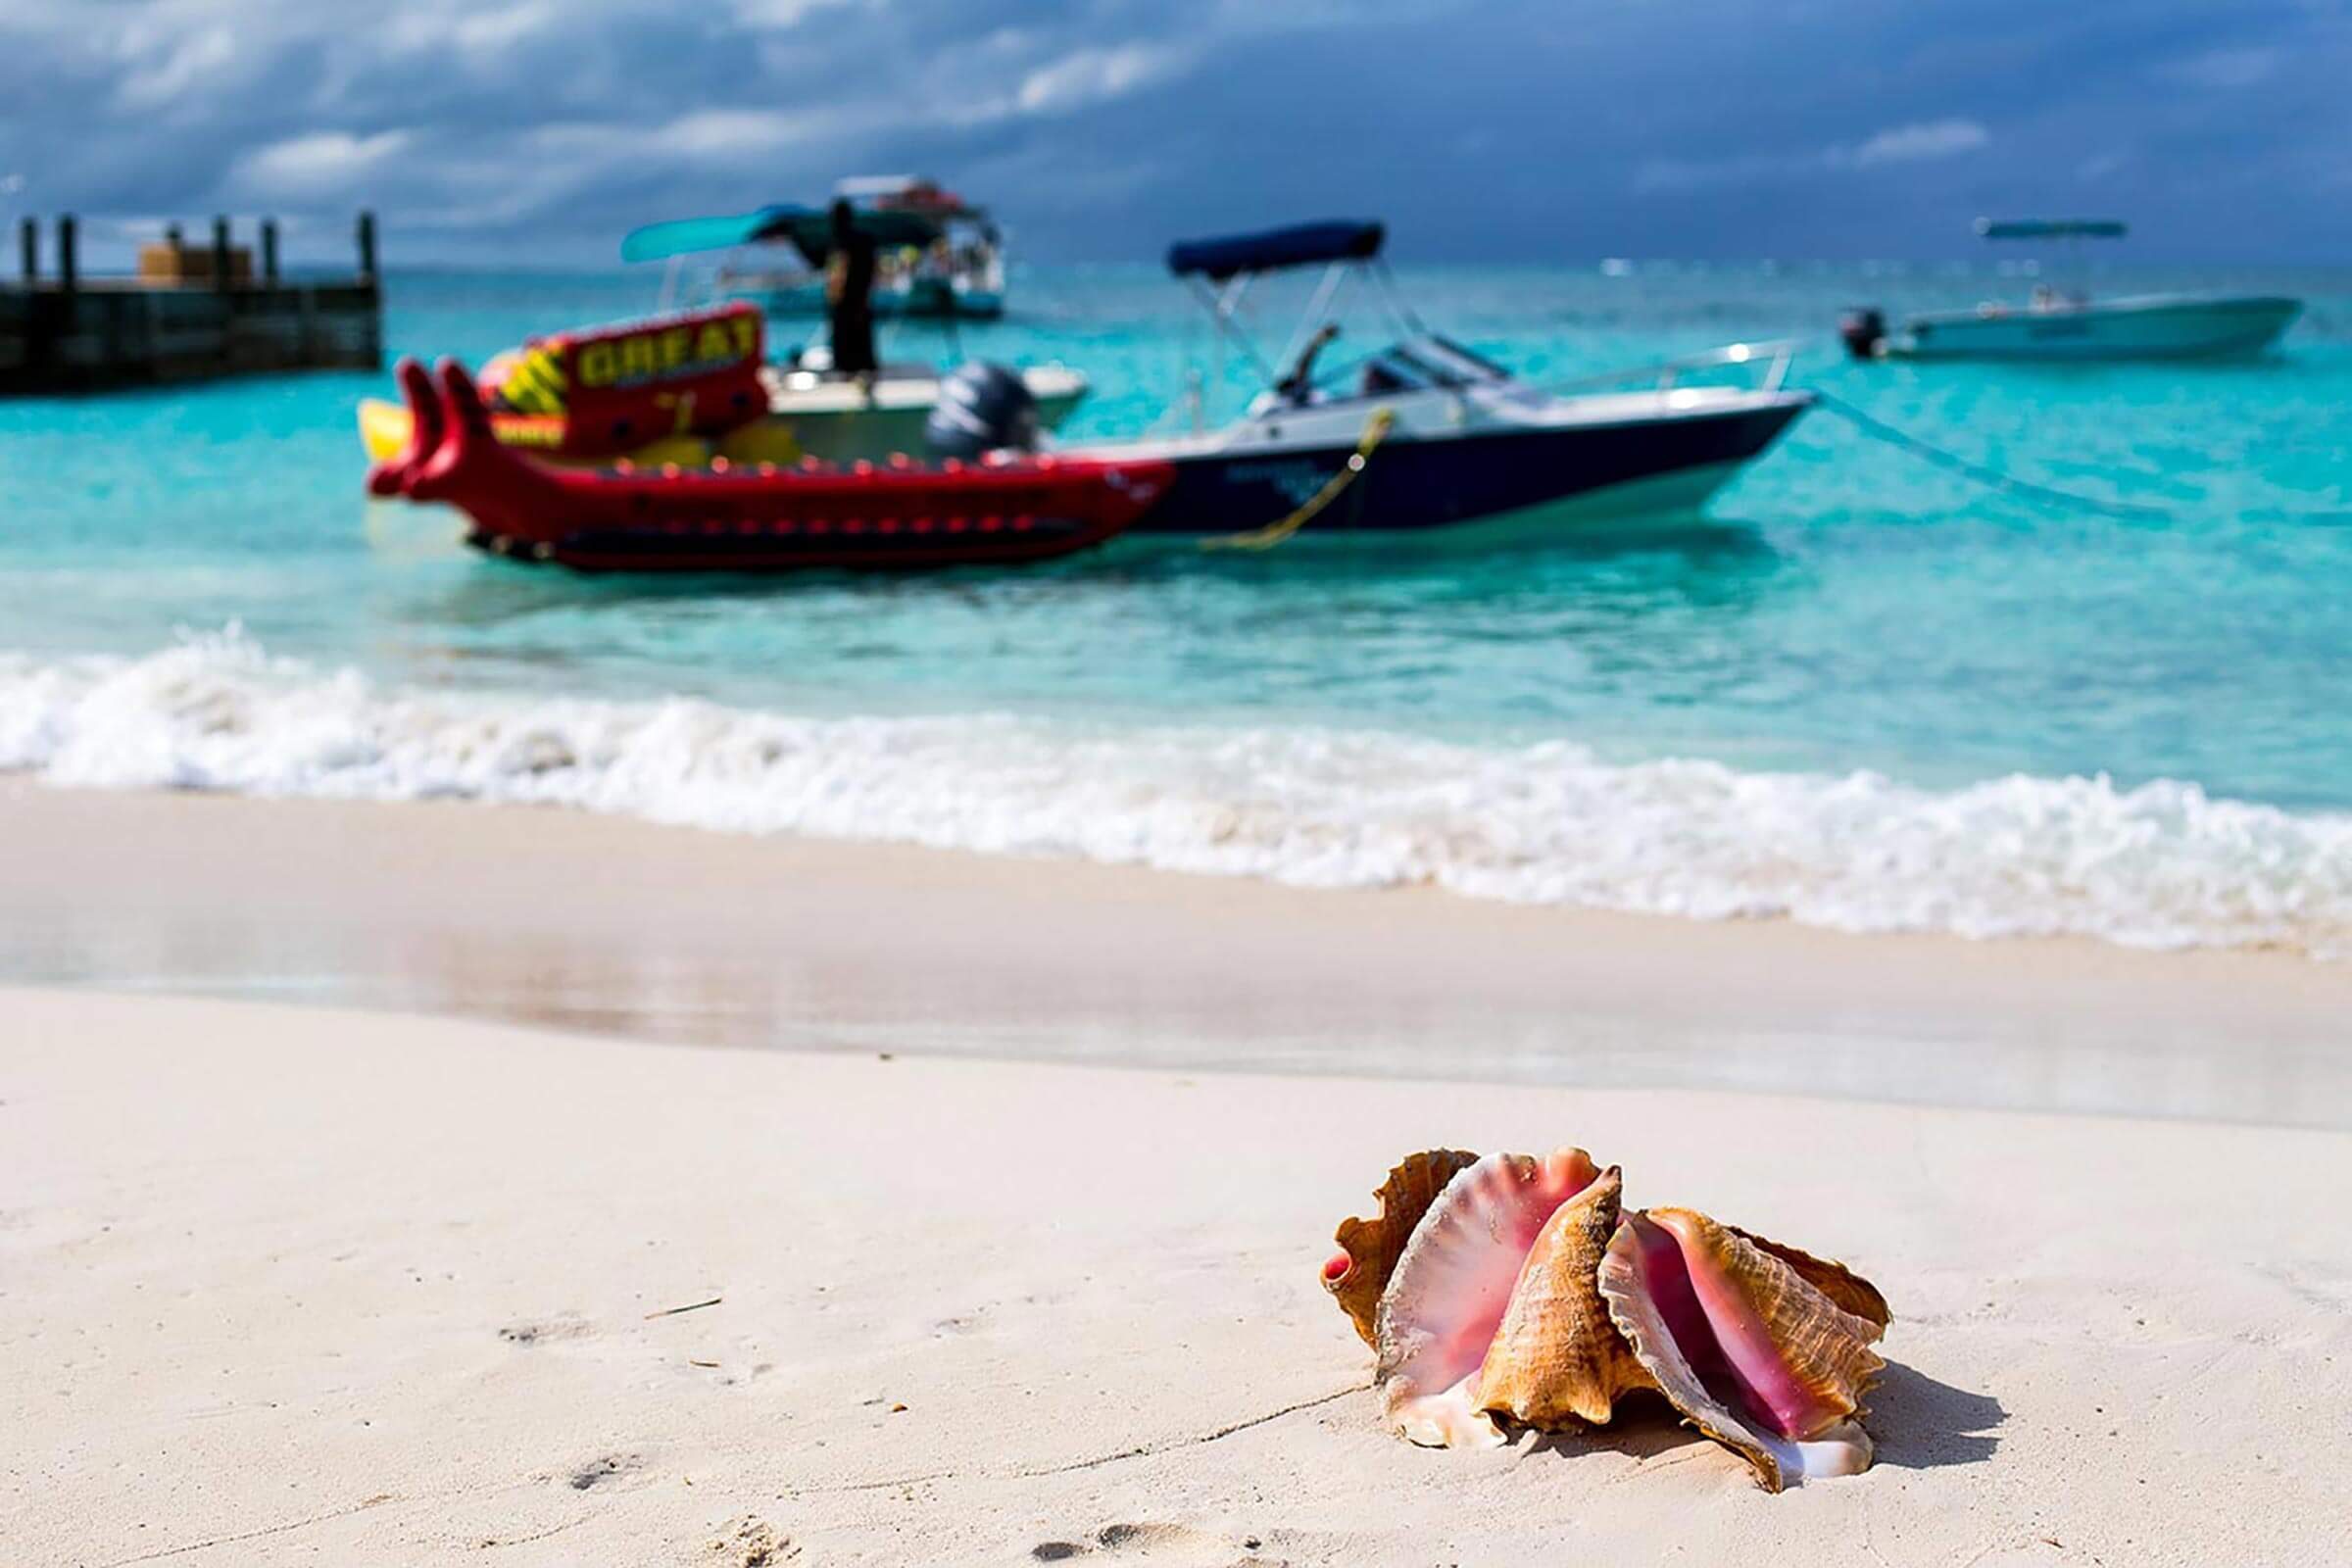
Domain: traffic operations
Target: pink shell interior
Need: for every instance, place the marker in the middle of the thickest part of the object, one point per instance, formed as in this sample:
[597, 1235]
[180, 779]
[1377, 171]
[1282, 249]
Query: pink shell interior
[1720, 1335]
[1455, 1282]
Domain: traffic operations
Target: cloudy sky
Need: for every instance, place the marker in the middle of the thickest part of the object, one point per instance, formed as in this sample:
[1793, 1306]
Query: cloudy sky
[1519, 129]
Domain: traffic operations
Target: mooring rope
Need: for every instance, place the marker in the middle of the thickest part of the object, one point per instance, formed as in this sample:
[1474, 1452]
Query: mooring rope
[1383, 419]
[1376, 430]
[1870, 424]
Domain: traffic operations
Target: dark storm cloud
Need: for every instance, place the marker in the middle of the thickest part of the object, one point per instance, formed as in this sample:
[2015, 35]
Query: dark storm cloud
[1515, 128]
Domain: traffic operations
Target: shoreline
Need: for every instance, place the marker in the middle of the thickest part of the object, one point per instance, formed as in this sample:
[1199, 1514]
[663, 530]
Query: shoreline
[1546, 822]
[573, 919]
[312, 1283]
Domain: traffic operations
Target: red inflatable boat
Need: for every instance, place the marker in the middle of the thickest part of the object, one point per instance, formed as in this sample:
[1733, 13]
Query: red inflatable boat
[894, 515]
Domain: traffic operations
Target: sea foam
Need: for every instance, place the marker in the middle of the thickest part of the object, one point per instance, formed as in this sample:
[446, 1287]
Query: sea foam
[2159, 866]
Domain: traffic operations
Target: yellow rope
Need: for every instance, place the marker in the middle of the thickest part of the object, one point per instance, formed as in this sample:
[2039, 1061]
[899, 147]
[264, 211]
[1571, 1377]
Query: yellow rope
[1376, 430]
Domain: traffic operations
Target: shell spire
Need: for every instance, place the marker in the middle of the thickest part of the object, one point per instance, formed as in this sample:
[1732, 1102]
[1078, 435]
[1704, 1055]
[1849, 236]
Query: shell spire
[1357, 1273]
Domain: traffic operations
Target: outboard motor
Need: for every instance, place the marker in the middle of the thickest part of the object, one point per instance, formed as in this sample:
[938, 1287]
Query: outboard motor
[982, 407]
[1864, 331]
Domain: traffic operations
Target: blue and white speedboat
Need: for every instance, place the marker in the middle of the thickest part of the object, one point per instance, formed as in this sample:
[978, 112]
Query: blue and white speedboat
[1425, 437]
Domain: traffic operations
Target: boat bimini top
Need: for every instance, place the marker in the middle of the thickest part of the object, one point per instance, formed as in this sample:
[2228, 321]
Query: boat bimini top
[1299, 245]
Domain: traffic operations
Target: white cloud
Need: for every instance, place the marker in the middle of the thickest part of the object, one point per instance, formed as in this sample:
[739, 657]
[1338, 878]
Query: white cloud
[1918, 143]
[731, 132]
[783, 14]
[480, 33]
[1096, 75]
[1897, 144]
[173, 71]
[323, 165]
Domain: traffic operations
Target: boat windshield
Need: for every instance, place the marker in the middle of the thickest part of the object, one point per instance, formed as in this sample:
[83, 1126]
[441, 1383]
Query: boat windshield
[1454, 362]
[1412, 365]
[1220, 273]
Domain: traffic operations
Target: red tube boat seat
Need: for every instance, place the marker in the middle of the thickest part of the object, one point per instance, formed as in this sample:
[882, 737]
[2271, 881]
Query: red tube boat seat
[890, 516]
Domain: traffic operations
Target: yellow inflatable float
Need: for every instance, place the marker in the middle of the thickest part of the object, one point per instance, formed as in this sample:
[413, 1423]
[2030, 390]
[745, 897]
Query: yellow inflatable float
[384, 431]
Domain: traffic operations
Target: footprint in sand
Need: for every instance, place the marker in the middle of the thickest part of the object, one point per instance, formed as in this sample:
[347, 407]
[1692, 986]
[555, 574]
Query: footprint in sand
[752, 1542]
[538, 1331]
[602, 1471]
[1161, 1544]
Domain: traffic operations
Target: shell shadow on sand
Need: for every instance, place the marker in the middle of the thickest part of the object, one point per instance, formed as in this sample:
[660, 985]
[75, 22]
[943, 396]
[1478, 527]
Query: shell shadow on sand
[1926, 1425]
[1920, 1423]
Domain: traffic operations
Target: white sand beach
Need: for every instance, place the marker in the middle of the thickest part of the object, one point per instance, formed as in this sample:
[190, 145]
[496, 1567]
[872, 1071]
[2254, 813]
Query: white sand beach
[312, 1283]
[302, 1285]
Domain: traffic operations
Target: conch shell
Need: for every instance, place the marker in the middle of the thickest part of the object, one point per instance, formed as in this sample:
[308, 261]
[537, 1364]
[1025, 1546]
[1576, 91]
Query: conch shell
[1519, 1287]
[1556, 1355]
[1359, 1271]
[1452, 1286]
[1753, 1352]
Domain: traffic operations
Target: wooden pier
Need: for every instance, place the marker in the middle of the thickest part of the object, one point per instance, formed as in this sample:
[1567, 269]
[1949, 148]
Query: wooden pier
[191, 313]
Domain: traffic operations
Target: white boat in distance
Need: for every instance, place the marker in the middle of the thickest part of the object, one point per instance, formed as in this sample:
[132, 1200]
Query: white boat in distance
[2058, 325]
[936, 255]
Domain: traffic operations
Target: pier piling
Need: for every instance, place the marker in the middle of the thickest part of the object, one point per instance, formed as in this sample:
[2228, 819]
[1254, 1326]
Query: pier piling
[185, 315]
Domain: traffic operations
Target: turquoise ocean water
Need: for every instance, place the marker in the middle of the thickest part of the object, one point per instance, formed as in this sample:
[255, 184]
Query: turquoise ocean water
[1860, 691]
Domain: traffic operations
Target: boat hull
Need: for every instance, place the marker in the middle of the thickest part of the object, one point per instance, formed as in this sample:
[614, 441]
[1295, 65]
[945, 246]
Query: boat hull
[753, 517]
[2154, 329]
[1475, 486]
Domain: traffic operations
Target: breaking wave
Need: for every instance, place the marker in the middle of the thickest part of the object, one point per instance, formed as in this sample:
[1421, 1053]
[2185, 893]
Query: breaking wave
[2160, 865]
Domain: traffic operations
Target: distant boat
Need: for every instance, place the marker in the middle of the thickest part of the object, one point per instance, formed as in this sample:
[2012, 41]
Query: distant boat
[2061, 324]
[937, 255]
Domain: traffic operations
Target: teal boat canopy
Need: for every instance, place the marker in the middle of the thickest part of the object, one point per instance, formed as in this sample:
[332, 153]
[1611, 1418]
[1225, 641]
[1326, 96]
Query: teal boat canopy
[2049, 228]
[809, 228]
[683, 236]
